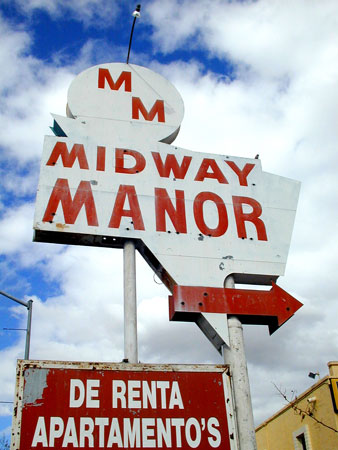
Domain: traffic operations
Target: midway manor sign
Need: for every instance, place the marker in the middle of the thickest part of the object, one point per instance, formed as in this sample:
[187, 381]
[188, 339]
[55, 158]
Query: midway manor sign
[110, 176]
[106, 178]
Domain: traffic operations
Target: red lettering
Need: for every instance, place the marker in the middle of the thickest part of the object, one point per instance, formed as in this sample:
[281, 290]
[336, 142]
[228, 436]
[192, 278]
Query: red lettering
[199, 215]
[71, 208]
[242, 174]
[104, 75]
[61, 149]
[101, 158]
[134, 212]
[252, 217]
[171, 164]
[139, 165]
[138, 106]
[216, 171]
[164, 205]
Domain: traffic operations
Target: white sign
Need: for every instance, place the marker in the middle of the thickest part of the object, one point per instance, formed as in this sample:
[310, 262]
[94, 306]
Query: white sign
[197, 217]
[216, 214]
[122, 100]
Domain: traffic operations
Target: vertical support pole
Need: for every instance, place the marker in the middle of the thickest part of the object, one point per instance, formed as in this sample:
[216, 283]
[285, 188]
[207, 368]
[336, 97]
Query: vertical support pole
[240, 380]
[130, 305]
[29, 306]
[29, 326]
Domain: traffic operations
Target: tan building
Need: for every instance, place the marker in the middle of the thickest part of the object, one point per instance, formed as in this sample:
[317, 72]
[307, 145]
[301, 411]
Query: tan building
[309, 422]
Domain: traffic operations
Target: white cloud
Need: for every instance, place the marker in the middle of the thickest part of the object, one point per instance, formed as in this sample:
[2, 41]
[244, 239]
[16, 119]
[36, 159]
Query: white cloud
[8, 366]
[286, 66]
[14, 44]
[272, 38]
[25, 114]
[16, 228]
[29, 89]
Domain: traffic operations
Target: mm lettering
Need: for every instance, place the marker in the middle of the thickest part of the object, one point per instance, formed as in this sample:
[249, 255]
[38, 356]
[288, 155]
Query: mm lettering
[137, 106]
[157, 109]
[104, 76]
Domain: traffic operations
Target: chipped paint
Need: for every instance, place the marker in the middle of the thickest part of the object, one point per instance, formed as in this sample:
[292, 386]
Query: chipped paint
[35, 383]
[198, 394]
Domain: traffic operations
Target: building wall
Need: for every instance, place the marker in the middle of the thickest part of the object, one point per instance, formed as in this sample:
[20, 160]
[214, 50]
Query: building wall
[286, 429]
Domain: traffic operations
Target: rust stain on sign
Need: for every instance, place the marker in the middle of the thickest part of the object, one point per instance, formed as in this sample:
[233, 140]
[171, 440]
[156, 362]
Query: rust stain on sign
[61, 226]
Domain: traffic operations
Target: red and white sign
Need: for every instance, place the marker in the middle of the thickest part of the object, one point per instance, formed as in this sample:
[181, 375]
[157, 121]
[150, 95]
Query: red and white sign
[272, 308]
[122, 100]
[197, 217]
[217, 214]
[84, 405]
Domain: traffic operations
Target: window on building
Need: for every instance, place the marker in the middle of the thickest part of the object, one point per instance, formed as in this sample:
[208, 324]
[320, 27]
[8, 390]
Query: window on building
[301, 439]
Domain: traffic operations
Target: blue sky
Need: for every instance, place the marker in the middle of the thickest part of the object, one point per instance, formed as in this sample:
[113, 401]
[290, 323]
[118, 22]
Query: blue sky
[255, 77]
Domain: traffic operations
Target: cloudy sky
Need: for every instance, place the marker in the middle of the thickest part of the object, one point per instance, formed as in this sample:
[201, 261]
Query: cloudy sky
[256, 77]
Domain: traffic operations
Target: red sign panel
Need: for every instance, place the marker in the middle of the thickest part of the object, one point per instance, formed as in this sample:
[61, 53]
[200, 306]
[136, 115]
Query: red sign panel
[82, 405]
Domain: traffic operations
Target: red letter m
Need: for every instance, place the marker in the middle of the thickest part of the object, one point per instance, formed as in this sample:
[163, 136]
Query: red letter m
[125, 77]
[68, 159]
[158, 108]
[71, 208]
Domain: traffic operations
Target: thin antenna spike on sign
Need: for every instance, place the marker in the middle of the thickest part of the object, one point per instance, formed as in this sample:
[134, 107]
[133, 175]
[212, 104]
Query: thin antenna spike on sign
[136, 15]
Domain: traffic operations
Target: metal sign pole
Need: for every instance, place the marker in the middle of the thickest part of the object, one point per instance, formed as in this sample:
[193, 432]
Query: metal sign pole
[130, 305]
[29, 326]
[240, 380]
[29, 306]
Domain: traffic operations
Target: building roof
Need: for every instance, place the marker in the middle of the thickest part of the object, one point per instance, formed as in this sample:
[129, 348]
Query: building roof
[333, 373]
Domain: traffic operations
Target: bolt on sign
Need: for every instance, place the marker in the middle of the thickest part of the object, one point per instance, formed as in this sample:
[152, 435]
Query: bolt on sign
[110, 174]
[84, 405]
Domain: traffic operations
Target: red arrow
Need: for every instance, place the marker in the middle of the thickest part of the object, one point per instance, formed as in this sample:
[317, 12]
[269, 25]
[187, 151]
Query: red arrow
[272, 308]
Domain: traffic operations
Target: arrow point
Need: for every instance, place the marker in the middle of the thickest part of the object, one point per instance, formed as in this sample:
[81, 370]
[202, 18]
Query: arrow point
[287, 306]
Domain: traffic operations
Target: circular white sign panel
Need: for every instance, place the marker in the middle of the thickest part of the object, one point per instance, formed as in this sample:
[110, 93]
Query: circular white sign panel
[131, 98]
